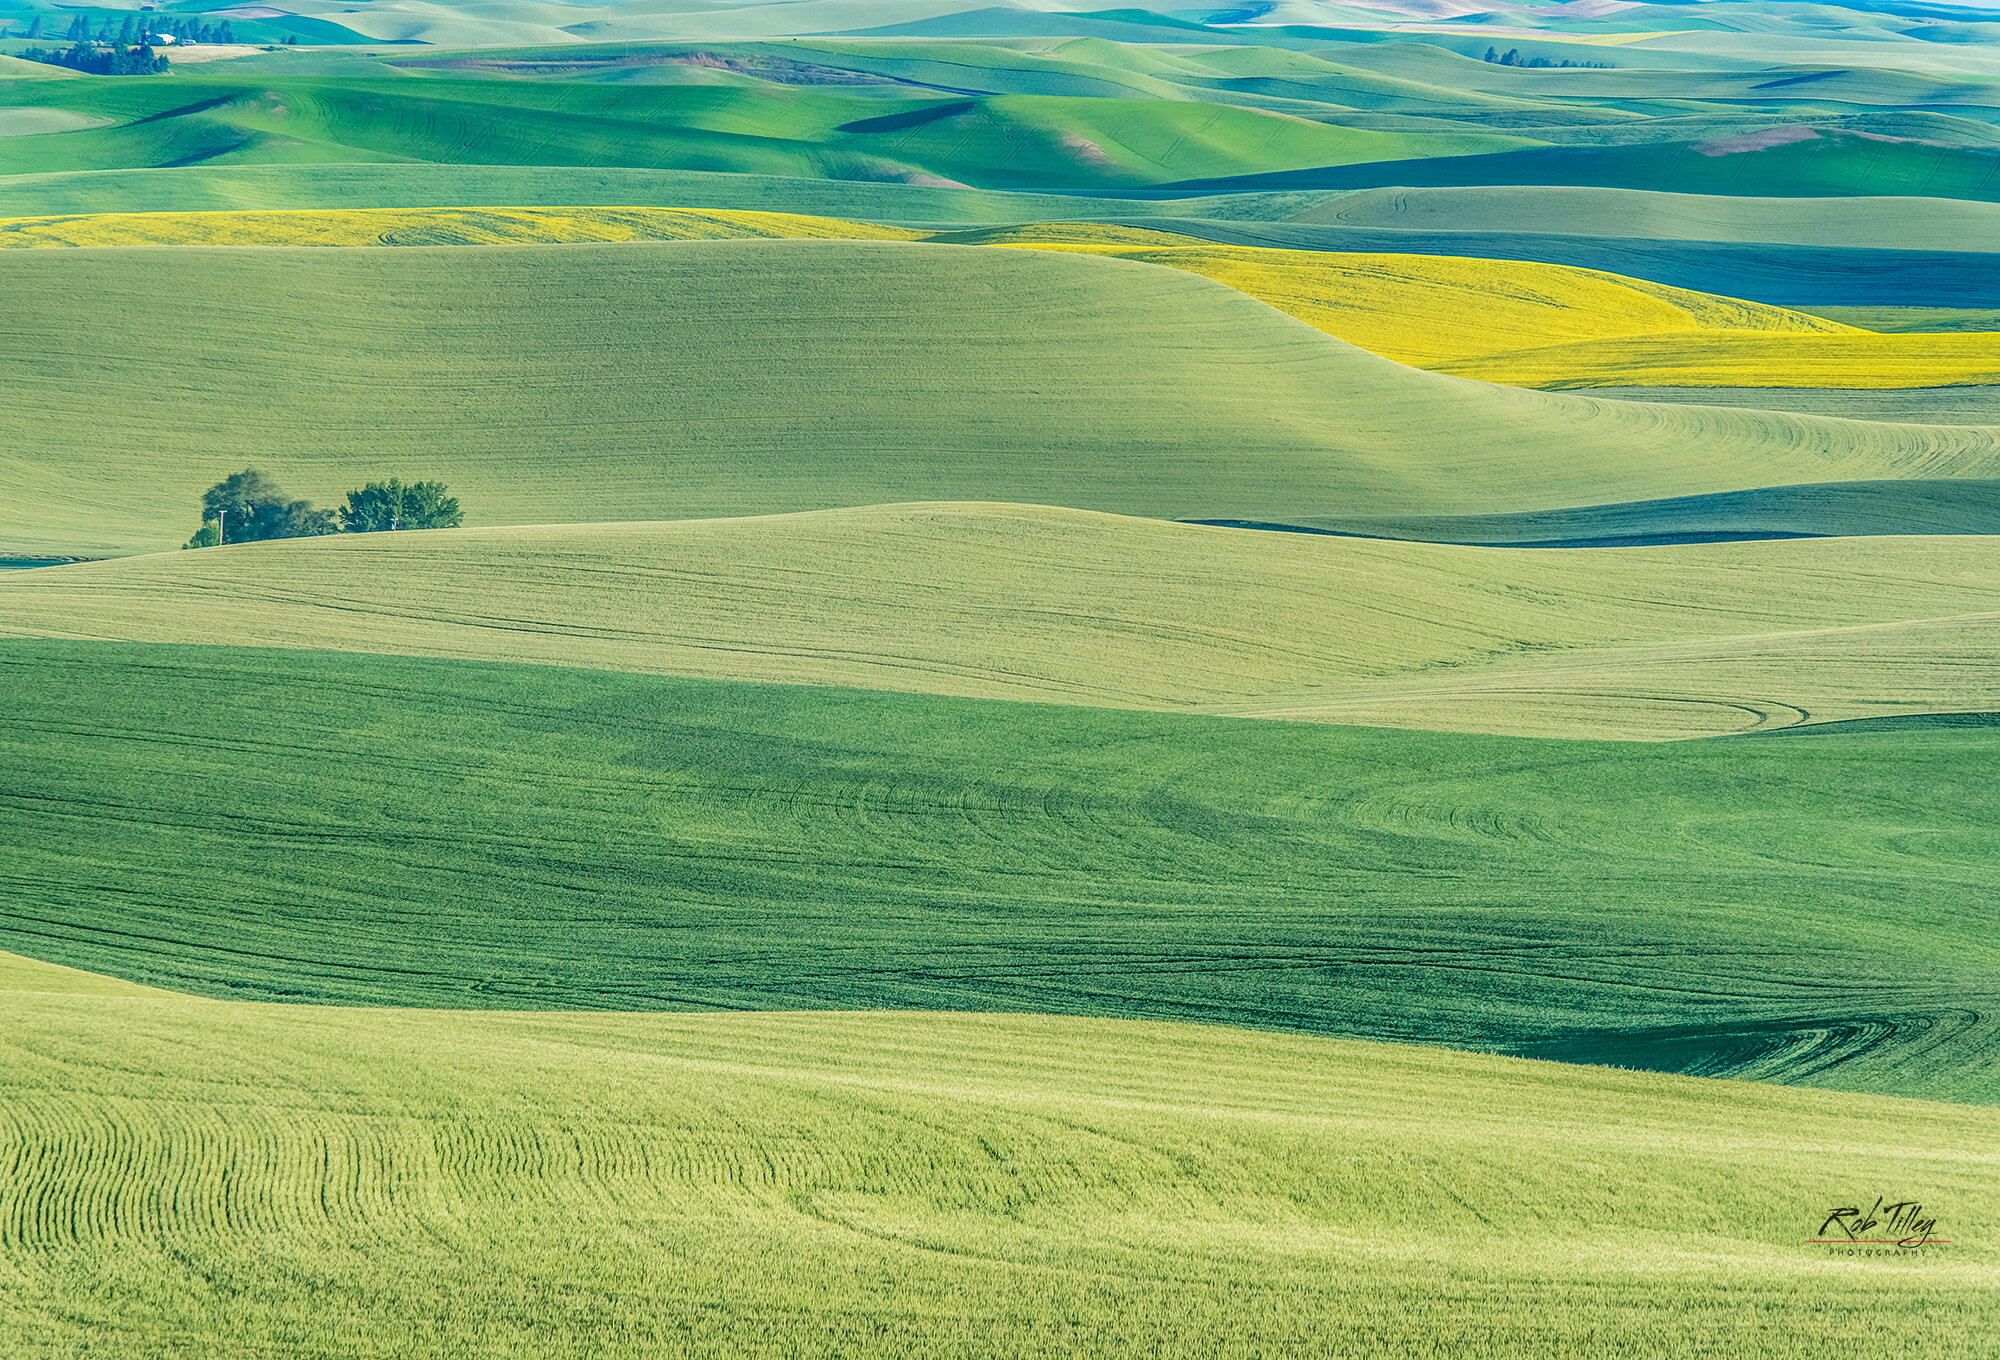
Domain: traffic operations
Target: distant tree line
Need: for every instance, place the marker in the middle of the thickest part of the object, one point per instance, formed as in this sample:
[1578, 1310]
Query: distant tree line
[133, 29]
[249, 507]
[124, 50]
[1513, 57]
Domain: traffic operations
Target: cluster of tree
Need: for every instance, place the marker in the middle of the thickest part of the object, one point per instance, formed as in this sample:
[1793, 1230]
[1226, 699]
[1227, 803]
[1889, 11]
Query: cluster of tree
[101, 61]
[127, 48]
[1513, 57]
[137, 28]
[248, 507]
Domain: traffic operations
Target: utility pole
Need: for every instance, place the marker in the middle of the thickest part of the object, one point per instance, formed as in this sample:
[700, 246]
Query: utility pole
[221, 519]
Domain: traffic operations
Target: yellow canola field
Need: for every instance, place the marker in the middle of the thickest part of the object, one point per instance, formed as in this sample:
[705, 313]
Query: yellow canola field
[1435, 311]
[1554, 326]
[428, 227]
[1746, 359]
[1518, 323]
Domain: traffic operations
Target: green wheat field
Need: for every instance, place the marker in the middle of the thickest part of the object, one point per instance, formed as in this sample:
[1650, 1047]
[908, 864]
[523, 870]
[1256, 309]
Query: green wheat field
[1303, 679]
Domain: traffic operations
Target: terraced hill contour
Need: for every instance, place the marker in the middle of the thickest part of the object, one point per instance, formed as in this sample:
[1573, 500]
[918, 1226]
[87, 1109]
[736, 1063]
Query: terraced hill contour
[744, 1185]
[1046, 604]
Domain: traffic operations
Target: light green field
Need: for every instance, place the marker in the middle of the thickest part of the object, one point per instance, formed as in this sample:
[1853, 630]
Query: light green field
[35, 122]
[1017, 602]
[13, 68]
[693, 379]
[213, 1179]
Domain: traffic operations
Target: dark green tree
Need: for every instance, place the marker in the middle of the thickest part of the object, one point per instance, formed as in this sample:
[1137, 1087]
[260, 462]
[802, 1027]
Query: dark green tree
[381, 506]
[249, 508]
[35, 27]
[130, 32]
[108, 61]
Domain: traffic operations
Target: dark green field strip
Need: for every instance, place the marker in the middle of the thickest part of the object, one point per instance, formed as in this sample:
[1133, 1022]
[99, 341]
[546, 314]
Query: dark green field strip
[1834, 165]
[1827, 510]
[330, 827]
[1976, 405]
[1902, 722]
[1878, 223]
[1905, 320]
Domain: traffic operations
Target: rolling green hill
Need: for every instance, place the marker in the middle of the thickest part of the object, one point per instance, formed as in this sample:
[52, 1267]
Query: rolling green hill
[1822, 165]
[678, 380]
[199, 188]
[327, 827]
[1782, 274]
[1416, 215]
[1006, 141]
[13, 68]
[223, 1178]
[1531, 325]
[1020, 602]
